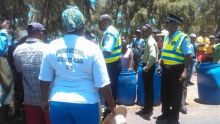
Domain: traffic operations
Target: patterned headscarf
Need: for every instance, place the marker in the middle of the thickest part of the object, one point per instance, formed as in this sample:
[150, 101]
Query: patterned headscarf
[73, 19]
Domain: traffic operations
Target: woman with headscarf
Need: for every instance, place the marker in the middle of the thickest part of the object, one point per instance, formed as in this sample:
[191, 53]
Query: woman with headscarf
[78, 71]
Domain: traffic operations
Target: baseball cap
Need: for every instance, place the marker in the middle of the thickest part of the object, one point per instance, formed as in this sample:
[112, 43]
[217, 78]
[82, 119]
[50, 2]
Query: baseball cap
[156, 31]
[211, 36]
[138, 31]
[192, 35]
[148, 26]
[35, 26]
[163, 33]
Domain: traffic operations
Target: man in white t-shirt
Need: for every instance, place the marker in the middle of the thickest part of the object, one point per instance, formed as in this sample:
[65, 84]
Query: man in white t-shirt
[78, 71]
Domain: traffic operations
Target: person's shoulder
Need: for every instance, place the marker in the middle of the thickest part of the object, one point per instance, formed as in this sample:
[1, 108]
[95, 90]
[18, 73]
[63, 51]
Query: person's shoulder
[152, 39]
[3, 36]
[111, 30]
[19, 49]
[56, 41]
[83, 39]
[85, 42]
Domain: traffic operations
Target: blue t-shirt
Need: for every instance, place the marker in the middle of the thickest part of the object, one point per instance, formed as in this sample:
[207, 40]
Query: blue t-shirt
[110, 37]
[4, 43]
[77, 69]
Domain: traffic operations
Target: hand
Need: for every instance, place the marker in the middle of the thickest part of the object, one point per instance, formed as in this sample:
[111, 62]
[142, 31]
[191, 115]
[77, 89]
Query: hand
[145, 68]
[113, 110]
[45, 106]
[130, 69]
[183, 75]
[159, 69]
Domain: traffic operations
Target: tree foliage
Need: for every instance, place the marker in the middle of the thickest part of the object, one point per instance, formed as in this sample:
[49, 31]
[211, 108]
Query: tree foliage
[128, 15]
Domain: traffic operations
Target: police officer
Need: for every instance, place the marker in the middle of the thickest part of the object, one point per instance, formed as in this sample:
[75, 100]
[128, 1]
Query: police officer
[175, 60]
[111, 49]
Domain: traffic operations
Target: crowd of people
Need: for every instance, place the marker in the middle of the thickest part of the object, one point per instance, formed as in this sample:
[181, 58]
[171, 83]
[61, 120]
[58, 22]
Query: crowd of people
[58, 81]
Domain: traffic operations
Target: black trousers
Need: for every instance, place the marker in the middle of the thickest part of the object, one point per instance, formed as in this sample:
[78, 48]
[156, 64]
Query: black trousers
[148, 81]
[171, 90]
[114, 70]
[184, 94]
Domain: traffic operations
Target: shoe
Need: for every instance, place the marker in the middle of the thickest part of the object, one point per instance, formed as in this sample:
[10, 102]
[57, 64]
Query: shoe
[183, 110]
[141, 112]
[148, 115]
[162, 117]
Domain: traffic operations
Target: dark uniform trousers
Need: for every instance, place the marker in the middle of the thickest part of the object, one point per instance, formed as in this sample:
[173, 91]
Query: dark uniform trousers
[148, 81]
[171, 90]
[114, 70]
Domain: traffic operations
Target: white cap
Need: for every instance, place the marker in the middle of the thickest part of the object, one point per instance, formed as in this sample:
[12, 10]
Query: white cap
[192, 35]
[163, 33]
[211, 36]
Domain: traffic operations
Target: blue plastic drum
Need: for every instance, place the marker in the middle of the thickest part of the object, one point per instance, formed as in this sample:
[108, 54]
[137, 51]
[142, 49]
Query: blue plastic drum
[126, 91]
[140, 87]
[209, 83]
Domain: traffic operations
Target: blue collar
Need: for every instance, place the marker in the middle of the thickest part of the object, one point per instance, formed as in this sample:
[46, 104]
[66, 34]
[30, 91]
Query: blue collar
[174, 34]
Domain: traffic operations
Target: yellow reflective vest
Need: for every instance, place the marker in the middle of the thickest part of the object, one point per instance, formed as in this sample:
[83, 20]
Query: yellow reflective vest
[172, 53]
[116, 53]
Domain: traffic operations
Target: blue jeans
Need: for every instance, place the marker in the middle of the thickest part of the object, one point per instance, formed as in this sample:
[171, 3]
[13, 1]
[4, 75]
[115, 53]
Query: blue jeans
[192, 69]
[72, 113]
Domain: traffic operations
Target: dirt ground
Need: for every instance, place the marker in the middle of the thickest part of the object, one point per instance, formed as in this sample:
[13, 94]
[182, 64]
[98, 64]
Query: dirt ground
[197, 113]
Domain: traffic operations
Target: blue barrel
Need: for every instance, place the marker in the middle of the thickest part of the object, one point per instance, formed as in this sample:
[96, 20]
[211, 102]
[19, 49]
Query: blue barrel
[140, 87]
[126, 90]
[208, 79]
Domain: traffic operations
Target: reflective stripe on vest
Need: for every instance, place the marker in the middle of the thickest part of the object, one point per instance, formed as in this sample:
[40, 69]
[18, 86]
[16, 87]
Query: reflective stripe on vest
[171, 53]
[116, 53]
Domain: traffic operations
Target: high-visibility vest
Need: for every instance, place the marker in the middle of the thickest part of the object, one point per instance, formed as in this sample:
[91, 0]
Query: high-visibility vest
[116, 53]
[172, 53]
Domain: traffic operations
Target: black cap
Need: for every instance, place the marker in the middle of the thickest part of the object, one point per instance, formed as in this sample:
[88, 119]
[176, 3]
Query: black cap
[173, 18]
[156, 31]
